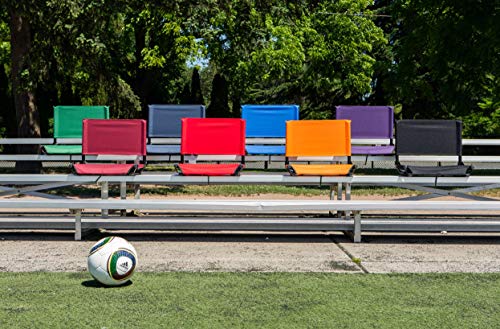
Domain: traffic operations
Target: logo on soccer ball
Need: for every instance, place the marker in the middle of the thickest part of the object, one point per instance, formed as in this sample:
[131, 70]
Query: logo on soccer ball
[121, 264]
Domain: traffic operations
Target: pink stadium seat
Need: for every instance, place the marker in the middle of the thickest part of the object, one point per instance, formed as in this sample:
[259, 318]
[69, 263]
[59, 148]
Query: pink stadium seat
[112, 137]
[212, 137]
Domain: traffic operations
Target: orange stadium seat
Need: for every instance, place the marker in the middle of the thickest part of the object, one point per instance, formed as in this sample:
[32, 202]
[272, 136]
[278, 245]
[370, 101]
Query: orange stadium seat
[319, 138]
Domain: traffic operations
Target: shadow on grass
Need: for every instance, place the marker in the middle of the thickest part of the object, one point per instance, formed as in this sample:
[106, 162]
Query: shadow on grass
[97, 284]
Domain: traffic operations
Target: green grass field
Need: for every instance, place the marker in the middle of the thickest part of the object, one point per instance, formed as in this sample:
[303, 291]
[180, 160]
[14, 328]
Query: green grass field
[251, 300]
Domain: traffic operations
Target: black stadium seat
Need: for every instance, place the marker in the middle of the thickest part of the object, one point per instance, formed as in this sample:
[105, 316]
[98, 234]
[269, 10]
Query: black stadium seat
[430, 137]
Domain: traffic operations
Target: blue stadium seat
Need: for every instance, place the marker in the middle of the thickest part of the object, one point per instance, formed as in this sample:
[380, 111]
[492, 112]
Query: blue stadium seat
[165, 122]
[267, 121]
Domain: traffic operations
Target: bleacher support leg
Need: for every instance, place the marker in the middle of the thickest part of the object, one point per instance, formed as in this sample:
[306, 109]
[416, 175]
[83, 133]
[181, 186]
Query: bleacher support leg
[357, 227]
[332, 197]
[123, 196]
[339, 197]
[78, 224]
[137, 196]
[347, 197]
[104, 196]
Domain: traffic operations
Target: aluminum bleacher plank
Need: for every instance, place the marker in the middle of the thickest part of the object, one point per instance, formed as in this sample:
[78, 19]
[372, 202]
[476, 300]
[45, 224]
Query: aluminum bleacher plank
[436, 225]
[68, 141]
[481, 142]
[26, 223]
[172, 179]
[266, 179]
[44, 179]
[252, 205]
[26, 141]
[292, 224]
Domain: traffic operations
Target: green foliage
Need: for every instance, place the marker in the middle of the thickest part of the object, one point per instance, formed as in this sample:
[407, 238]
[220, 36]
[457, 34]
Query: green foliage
[485, 120]
[441, 57]
[315, 55]
[432, 59]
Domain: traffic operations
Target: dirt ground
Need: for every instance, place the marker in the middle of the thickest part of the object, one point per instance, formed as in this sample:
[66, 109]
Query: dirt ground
[244, 252]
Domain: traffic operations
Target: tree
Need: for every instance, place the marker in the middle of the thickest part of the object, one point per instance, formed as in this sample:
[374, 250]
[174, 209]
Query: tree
[315, 54]
[443, 56]
[28, 123]
[8, 124]
[219, 107]
[196, 94]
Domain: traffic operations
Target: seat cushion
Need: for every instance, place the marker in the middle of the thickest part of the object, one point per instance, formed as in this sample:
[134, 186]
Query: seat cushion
[105, 168]
[373, 150]
[209, 169]
[163, 149]
[321, 169]
[62, 149]
[435, 171]
[266, 149]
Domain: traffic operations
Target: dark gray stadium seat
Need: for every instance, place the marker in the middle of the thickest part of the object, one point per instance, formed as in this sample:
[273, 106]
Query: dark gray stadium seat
[430, 137]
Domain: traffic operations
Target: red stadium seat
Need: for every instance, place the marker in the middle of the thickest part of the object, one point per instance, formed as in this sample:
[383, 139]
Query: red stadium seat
[210, 169]
[112, 137]
[212, 137]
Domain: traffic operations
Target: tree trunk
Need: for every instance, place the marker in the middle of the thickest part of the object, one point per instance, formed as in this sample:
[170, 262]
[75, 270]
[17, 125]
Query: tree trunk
[141, 84]
[28, 123]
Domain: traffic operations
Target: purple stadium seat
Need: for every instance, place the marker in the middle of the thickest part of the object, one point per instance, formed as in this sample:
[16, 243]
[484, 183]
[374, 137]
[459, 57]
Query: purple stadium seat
[369, 122]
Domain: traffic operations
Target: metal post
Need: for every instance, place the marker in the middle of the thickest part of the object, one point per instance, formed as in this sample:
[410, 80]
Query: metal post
[332, 197]
[357, 227]
[123, 196]
[78, 224]
[339, 197]
[104, 196]
[137, 196]
[348, 191]
[347, 197]
[332, 193]
[137, 191]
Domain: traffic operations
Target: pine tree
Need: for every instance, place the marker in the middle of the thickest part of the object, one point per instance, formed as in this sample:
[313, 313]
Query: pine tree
[196, 93]
[219, 107]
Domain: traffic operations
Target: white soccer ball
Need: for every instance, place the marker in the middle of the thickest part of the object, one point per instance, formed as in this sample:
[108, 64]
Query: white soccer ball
[112, 261]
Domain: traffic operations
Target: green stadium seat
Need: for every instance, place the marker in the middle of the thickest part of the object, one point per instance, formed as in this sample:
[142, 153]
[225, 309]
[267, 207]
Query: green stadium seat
[68, 124]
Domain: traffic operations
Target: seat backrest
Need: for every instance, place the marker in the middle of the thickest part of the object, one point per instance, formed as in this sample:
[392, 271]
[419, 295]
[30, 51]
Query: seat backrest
[318, 138]
[114, 137]
[165, 120]
[268, 120]
[428, 137]
[368, 121]
[213, 136]
[68, 119]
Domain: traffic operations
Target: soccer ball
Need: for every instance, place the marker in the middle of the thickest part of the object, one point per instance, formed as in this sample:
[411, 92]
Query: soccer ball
[112, 261]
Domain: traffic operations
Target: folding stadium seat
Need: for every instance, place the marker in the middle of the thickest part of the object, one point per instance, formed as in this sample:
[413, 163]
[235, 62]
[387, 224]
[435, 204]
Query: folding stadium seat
[165, 122]
[369, 122]
[209, 137]
[316, 139]
[115, 138]
[68, 124]
[430, 137]
[267, 121]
